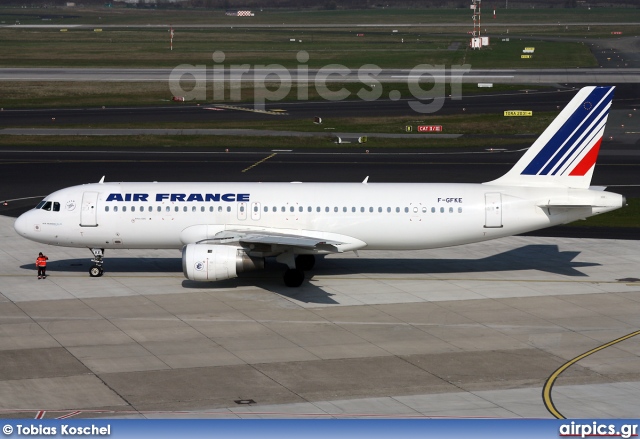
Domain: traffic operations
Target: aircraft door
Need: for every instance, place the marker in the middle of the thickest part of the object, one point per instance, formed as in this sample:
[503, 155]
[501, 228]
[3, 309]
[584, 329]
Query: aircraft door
[255, 211]
[89, 211]
[493, 210]
[242, 210]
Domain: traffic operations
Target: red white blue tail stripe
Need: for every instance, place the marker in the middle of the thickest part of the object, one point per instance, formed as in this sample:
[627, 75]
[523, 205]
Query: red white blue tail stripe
[566, 152]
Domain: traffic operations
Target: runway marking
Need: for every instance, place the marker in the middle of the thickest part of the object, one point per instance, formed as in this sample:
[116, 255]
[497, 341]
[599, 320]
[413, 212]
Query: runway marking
[258, 162]
[69, 415]
[24, 198]
[548, 386]
[40, 414]
[253, 110]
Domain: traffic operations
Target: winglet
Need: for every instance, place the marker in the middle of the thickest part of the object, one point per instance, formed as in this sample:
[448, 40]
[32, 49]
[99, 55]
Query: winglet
[365, 180]
[102, 179]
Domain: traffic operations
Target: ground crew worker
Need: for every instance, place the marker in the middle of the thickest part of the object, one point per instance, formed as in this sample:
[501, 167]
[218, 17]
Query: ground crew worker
[41, 263]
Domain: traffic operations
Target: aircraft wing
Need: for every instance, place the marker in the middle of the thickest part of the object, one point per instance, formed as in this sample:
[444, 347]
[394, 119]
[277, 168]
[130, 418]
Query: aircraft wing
[281, 239]
[265, 237]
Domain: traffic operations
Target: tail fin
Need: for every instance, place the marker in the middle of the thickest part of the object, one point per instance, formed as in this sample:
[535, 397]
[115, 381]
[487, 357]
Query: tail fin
[565, 153]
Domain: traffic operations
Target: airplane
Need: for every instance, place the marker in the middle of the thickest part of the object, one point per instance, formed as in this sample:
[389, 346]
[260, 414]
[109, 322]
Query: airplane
[226, 228]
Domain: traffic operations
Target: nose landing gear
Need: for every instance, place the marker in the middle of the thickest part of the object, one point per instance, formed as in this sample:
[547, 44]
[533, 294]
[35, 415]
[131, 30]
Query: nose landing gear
[96, 269]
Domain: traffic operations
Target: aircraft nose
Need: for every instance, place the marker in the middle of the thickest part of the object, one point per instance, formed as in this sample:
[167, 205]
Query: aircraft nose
[21, 225]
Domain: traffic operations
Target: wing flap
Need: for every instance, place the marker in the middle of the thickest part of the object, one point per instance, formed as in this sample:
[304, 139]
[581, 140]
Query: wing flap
[303, 240]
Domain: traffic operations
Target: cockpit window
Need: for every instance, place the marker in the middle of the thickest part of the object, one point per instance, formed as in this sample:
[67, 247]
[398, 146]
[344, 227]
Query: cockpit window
[56, 206]
[47, 205]
[40, 204]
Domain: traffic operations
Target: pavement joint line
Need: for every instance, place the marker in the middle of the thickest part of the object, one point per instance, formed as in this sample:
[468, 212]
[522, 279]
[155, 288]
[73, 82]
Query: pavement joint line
[258, 162]
[548, 385]
[474, 280]
[325, 278]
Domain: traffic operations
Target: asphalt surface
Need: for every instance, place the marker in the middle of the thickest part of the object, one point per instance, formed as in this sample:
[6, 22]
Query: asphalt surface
[627, 98]
[27, 173]
[615, 73]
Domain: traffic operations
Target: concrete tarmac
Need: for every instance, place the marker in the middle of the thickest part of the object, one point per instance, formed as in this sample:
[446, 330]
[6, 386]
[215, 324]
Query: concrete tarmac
[473, 331]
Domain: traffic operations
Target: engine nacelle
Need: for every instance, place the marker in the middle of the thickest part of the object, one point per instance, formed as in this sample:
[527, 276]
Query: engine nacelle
[209, 262]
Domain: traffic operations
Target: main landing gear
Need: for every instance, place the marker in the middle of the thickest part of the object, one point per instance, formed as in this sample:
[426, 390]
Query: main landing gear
[96, 269]
[297, 265]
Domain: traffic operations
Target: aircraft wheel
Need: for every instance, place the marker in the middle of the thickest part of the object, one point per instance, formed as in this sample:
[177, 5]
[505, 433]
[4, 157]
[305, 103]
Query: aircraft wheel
[293, 277]
[305, 262]
[95, 271]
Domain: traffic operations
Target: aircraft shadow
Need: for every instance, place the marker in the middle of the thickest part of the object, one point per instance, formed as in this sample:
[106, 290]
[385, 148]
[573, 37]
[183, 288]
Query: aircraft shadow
[546, 258]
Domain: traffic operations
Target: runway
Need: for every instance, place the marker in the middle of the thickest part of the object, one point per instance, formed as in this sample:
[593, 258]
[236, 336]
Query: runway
[593, 76]
[463, 332]
[627, 101]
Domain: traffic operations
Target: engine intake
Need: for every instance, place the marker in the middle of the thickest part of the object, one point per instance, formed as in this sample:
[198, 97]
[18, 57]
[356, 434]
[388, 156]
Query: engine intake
[209, 262]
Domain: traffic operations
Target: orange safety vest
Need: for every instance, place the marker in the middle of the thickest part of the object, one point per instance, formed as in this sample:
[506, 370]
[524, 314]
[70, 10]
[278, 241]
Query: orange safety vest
[41, 261]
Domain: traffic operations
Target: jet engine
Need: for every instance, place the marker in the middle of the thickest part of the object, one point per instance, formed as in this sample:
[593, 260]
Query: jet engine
[209, 262]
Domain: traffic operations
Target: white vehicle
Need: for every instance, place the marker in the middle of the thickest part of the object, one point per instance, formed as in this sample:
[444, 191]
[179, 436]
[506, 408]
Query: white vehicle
[226, 228]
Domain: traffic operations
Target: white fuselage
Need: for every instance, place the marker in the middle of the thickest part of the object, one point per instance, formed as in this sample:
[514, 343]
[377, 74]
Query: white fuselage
[371, 216]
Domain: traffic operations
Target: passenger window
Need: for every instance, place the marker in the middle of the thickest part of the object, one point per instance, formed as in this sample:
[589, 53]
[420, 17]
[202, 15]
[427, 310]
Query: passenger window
[309, 209]
[106, 208]
[326, 209]
[451, 210]
[228, 208]
[442, 210]
[241, 208]
[168, 209]
[415, 210]
[275, 209]
[388, 210]
[266, 209]
[459, 209]
[184, 208]
[318, 209]
[284, 209]
[115, 208]
[397, 210]
[406, 210]
[300, 209]
[424, 210]
[362, 209]
[124, 208]
[371, 209]
[291, 209]
[56, 206]
[219, 208]
[335, 209]
[159, 209]
[193, 208]
[210, 208]
[177, 208]
[353, 209]
[201, 208]
[433, 210]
